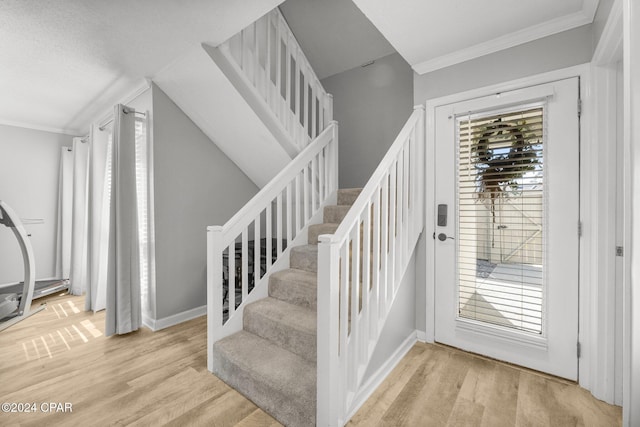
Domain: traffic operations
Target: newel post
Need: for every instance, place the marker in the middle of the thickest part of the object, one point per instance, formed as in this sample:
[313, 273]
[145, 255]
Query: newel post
[214, 288]
[328, 391]
[328, 110]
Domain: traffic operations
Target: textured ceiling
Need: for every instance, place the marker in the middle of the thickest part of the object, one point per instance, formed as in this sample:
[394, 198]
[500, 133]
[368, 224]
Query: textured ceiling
[65, 63]
[334, 34]
[432, 34]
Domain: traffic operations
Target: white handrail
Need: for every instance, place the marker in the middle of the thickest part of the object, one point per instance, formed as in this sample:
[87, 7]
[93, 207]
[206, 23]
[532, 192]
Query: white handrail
[360, 268]
[266, 58]
[276, 215]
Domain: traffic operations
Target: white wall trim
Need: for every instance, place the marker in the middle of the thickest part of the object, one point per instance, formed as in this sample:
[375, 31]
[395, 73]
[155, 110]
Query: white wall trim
[609, 48]
[70, 132]
[631, 292]
[421, 336]
[548, 28]
[141, 88]
[175, 319]
[601, 348]
[600, 233]
[589, 149]
[367, 389]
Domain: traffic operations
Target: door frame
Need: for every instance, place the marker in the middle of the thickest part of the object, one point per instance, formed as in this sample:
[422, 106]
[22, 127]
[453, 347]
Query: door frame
[604, 377]
[589, 192]
[552, 348]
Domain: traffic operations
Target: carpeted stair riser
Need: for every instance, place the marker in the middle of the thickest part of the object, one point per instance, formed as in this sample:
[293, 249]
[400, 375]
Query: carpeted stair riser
[335, 213]
[278, 381]
[304, 258]
[319, 229]
[297, 287]
[289, 326]
[348, 196]
[272, 361]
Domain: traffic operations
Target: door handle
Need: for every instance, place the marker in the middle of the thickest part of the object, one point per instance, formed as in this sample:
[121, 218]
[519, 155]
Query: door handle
[442, 237]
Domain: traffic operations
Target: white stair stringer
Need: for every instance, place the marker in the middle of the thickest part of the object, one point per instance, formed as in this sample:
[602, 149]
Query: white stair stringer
[259, 106]
[203, 92]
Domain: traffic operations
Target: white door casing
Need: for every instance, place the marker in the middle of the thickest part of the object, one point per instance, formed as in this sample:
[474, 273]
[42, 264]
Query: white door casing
[555, 349]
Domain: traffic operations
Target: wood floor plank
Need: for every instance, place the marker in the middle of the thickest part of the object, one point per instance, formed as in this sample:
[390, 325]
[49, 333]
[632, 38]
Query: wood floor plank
[160, 378]
[501, 398]
[258, 418]
[375, 407]
[451, 387]
[227, 409]
[465, 413]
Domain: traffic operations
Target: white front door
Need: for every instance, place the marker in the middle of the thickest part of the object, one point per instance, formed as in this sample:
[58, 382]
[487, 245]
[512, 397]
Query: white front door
[507, 215]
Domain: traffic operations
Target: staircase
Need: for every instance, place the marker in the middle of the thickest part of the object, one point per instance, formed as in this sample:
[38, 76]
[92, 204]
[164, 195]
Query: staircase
[272, 361]
[303, 333]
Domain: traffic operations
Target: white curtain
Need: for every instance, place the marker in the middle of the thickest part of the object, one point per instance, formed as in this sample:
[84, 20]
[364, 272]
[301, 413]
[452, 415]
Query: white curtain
[79, 275]
[144, 226]
[65, 213]
[99, 196]
[123, 313]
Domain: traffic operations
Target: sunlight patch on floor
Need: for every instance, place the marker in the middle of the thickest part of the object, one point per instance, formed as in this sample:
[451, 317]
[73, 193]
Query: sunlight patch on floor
[52, 343]
[91, 328]
[73, 307]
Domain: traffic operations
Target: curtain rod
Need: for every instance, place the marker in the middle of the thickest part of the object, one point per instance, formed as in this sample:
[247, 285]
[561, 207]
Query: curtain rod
[110, 120]
[124, 110]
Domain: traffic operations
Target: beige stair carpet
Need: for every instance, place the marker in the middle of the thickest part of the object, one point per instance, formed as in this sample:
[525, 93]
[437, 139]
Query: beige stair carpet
[272, 361]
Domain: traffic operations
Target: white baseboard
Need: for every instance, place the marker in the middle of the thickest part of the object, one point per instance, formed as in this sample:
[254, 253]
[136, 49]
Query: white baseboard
[367, 389]
[421, 336]
[165, 322]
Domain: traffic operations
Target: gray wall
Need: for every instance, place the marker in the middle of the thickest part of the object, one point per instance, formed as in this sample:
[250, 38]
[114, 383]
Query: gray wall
[29, 169]
[558, 51]
[196, 185]
[371, 104]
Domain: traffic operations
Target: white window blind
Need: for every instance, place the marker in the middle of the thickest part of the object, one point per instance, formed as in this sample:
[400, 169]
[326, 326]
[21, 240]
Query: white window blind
[500, 218]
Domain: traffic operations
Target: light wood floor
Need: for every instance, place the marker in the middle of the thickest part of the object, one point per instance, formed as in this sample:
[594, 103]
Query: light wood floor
[144, 378]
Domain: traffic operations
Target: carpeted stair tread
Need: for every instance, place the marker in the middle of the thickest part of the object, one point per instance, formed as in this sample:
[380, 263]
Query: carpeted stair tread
[316, 230]
[335, 213]
[278, 381]
[304, 257]
[295, 287]
[289, 326]
[348, 196]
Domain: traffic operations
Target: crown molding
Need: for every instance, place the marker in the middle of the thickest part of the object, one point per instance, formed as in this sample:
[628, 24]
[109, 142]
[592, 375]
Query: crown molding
[609, 48]
[33, 126]
[138, 90]
[548, 28]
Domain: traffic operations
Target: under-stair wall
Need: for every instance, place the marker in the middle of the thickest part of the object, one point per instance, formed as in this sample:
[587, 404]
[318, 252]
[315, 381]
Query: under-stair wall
[197, 85]
[188, 196]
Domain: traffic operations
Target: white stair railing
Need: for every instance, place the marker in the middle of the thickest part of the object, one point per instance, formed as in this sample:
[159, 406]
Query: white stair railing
[360, 268]
[242, 253]
[266, 57]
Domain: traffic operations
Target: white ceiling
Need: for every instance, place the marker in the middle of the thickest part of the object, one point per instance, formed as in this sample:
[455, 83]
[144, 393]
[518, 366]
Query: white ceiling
[433, 34]
[334, 35]
[65, 63]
